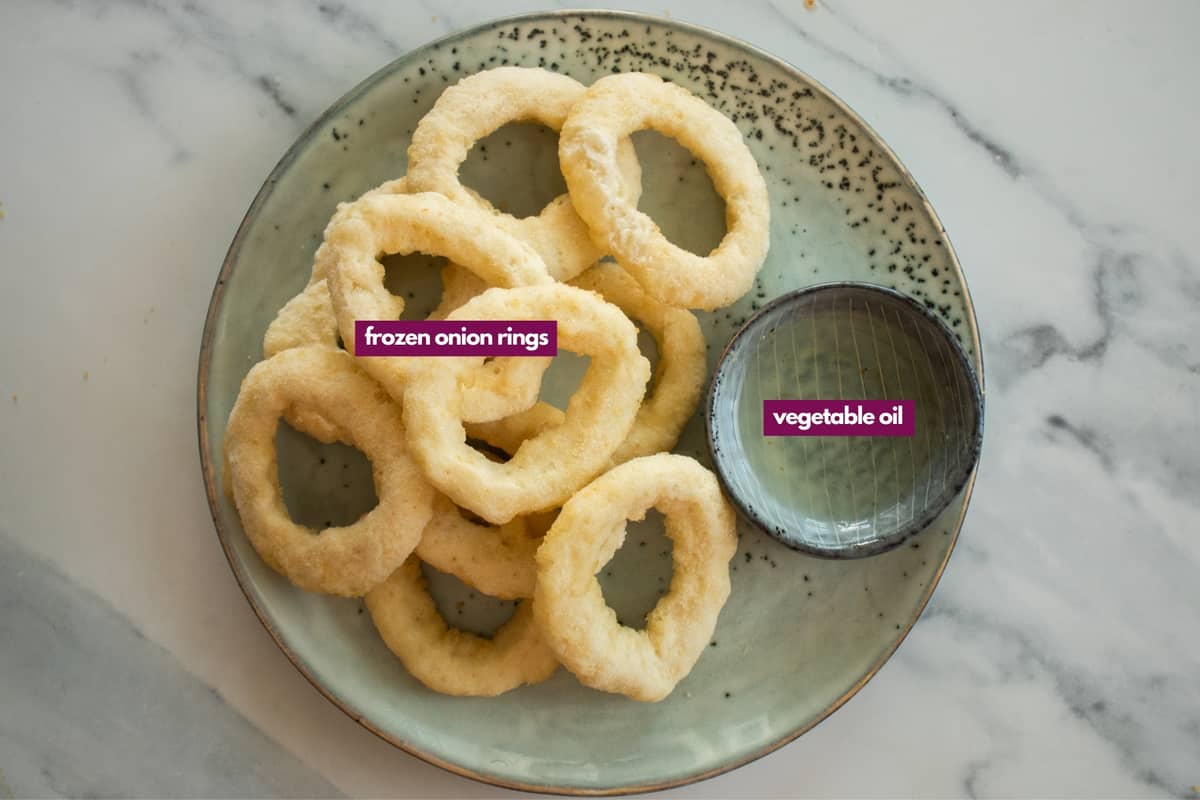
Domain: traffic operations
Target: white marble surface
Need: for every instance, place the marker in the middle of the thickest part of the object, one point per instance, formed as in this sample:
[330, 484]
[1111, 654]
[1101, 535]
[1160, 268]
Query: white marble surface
[1059, 657]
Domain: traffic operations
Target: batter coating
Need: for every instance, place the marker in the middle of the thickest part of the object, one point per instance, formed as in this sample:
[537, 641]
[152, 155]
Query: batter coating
[614, 107]
[450, 660]
[675, 387]
[569, 605]
[678, 378]
[481, 104]
[431, 224]
[496, 561]
[349, 560]
[551, 466]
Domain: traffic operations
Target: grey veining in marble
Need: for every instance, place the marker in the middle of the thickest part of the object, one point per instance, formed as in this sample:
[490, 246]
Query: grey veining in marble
[92, 708]
[1059, 657]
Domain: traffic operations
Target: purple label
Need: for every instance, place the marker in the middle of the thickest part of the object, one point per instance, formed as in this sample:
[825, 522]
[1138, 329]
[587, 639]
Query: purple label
[468, 337]
[839, 417]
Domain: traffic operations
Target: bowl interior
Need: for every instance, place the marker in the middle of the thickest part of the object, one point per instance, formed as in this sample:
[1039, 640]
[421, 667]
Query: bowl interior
[799, 634]
[844, 496]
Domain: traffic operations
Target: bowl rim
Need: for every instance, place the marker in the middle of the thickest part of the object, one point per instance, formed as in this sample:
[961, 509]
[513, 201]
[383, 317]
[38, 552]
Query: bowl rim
[956, 480]
[212, 481]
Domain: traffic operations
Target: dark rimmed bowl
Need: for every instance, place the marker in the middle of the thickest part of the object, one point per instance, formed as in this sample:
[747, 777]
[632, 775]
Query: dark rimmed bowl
[844, 496]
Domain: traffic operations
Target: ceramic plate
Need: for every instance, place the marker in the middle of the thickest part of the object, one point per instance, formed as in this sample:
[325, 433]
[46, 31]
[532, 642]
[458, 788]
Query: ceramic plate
[799, 635]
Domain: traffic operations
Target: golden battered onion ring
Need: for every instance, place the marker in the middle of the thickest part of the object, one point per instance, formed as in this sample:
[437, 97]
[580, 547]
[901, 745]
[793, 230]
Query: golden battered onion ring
[616, 106]
[432, 224]
[323, 258]
[458, 286]
[509, 433]
[449, 660]
[569, 605]
[306, 319]
[678, 378]
[496, 561]
[349, 560]
[551, 466]
[675, 387]
[481, 104]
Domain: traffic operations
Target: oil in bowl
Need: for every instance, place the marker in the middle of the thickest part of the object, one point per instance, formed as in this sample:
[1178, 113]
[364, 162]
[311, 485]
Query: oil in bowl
[845, 495]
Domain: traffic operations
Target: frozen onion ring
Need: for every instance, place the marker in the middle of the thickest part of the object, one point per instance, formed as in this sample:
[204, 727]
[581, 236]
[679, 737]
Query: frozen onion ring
[323, 259]
[675, 386]
[483, 103]
[345, 560]
[308, 317]
[305, 321]
[510, 433]
[569, 604]
[432, 224]
[497, 561]
[450, 660]
[614, 107]
[678, 378]
[550, 467]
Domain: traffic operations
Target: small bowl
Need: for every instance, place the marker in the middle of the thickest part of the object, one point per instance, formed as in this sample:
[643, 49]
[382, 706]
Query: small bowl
[844, 496]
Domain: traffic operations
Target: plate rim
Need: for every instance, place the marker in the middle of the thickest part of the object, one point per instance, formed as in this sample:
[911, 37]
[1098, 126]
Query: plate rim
[208, 468]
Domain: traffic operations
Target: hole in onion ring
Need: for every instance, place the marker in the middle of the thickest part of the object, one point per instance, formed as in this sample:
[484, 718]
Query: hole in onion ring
[415, 277]
[323, 485]
[561, 379]
[516, 168]
[465, 608]
[640, 573]
[678, 194]
[649, 348]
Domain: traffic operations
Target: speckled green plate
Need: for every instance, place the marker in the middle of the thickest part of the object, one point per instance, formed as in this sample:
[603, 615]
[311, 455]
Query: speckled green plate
[799, 635]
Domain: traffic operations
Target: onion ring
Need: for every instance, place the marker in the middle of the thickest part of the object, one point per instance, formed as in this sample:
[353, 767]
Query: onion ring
[450, 660]
[550, 467]
[616, 106]
[675, 387]
[324, 257]
[344, 560]
[678, 378]
[431, 224]
[308, 317]
[496, 561]
[511, 432]
[305, 321]
[484, 102]
[569, 605]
